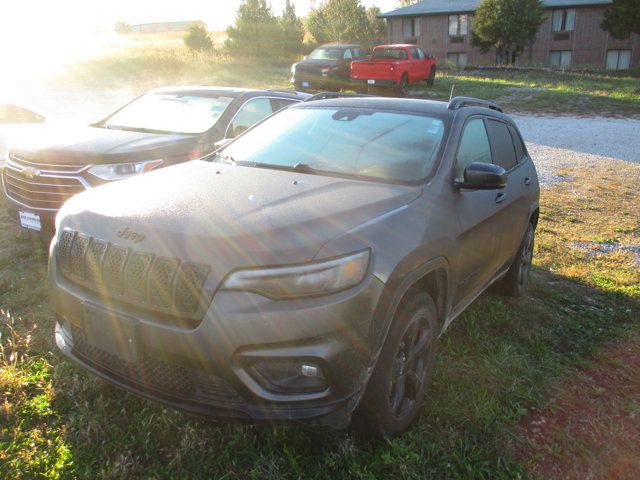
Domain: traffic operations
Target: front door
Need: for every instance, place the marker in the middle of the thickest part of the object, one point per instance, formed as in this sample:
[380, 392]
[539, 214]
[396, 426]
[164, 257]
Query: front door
[476, 212]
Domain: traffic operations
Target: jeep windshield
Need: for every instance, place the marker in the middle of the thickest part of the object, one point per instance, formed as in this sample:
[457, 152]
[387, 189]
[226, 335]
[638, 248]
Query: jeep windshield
[349, 142]
[169, 113]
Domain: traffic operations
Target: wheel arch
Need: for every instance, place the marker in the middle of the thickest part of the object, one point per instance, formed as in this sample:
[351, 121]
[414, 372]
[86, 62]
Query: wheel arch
[432, 277]
[535, 215]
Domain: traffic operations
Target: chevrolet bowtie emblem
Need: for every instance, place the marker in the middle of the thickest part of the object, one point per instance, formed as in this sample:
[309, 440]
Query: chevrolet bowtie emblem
[30, 172]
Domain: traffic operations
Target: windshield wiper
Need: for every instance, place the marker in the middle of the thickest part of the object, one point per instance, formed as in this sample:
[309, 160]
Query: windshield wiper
[227, 158]
[298, 167]
[137, 129]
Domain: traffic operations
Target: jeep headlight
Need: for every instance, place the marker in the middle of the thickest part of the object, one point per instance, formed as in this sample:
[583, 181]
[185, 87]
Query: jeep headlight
[120, 171]
[311, 279]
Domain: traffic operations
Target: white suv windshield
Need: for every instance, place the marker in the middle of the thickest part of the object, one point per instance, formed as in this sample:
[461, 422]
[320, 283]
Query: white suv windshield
[170, 112]
[354, 142]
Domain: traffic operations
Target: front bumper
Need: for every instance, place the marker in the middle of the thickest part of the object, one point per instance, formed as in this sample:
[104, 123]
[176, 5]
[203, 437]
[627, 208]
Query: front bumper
[319, 83]
[208, 369]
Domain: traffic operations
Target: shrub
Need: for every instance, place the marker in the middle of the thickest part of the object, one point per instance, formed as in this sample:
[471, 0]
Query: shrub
[197, 38]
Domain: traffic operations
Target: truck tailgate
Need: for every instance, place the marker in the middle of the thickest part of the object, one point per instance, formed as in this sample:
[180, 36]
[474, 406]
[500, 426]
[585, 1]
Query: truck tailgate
[372, 70]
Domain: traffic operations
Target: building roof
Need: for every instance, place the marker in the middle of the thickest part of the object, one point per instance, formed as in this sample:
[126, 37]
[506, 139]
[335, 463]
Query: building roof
[439, 7]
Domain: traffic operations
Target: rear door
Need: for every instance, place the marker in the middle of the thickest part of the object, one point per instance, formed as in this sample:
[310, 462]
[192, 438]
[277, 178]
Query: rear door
[414, 74]
[513, 199]
[477, 210]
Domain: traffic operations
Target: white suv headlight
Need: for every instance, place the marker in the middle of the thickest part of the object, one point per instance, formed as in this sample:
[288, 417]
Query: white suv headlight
[120, 171]
[312, 279]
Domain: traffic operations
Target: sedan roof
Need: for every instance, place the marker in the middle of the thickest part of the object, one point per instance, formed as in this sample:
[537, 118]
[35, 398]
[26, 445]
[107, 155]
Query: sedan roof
[228, 91]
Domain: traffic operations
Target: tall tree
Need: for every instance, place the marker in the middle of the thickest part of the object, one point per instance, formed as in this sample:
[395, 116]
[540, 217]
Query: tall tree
[340, 21]
[506, 25]
[256, 29]
[292, 30]
[377, 25]
[622, 18]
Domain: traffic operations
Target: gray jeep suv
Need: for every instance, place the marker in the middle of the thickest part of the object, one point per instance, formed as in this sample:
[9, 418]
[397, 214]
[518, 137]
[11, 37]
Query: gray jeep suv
[305, 271]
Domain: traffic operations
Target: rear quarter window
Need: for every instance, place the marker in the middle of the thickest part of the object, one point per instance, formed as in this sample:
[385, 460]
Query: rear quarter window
[521, 151]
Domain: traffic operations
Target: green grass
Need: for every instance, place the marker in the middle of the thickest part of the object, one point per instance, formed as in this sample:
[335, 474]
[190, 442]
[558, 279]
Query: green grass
[146, 61]
[496, 364]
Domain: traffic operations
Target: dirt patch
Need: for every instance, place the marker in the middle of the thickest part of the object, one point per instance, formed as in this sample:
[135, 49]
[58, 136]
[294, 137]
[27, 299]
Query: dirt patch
[591, 427]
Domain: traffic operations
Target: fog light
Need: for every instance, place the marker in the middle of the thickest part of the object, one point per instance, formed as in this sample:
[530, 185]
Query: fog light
[309, 370]
[289, 376]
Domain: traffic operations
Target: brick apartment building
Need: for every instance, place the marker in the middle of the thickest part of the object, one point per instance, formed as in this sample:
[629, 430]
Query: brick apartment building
[569, 36]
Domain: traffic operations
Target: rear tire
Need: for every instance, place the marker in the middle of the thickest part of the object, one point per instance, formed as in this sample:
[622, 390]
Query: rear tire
[396, 389]
[432, 77]
[516, 280]
[402, 89]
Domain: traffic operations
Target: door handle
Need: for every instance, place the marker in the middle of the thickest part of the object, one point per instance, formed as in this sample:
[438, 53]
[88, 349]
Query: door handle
[500, 197]
[527, 181]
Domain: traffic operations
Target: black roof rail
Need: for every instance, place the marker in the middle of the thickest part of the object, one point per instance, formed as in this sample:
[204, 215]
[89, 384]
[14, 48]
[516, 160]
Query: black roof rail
[458, 102]
[282, 90]
[329, 95]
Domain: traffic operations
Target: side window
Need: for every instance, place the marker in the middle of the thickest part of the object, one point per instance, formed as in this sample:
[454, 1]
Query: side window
[474, 147]
[347, 54]
[504, 153]
[421, 54]
[280, 103]
[518, 143]
[357, 52]
[249, 114]
[414, 53]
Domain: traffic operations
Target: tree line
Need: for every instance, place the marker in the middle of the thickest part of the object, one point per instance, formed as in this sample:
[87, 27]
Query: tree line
[258, 32]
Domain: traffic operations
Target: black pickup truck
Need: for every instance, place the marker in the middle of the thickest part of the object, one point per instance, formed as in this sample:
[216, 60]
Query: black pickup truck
[328, 68]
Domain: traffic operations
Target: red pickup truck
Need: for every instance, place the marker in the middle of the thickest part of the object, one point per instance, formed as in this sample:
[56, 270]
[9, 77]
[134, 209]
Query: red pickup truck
[395, 66]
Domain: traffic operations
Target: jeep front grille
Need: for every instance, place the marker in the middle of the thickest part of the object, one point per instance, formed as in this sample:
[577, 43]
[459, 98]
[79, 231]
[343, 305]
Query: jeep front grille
[39, 185]
[155, 283]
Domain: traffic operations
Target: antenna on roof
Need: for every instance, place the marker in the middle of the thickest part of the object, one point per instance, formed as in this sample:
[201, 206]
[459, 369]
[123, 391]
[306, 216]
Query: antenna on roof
[451, 95]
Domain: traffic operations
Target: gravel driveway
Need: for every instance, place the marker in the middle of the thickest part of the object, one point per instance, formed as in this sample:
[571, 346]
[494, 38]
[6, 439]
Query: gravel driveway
[557, 142]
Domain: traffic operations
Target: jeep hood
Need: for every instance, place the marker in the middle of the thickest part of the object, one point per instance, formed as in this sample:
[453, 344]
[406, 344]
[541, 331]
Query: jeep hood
[229, 216]
[85, 144]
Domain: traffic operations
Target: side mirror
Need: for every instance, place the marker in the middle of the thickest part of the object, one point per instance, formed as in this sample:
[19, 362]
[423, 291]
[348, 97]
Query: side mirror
[483, 176]
[221, 143]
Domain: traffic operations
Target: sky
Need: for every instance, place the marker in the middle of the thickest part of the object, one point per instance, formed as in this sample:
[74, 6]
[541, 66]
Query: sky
[89, 15]
[44, 35]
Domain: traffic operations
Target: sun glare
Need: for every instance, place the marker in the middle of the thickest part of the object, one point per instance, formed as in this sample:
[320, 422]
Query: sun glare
[36, 45]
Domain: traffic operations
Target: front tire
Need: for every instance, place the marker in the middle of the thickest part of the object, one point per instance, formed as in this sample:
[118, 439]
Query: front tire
[516, 280]
[396, 389]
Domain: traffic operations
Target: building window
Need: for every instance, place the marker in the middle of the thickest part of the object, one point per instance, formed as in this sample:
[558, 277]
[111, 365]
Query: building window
[458, 25]
[563, 20]
[560, 58]
[618, 59]
[411, 27]
[457, 59]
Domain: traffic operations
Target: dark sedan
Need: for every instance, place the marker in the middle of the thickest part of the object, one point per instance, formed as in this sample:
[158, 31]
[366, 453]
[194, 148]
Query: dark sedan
[163, 127]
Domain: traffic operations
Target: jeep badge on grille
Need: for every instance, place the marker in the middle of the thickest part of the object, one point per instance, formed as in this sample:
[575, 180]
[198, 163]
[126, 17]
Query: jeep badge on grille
[127, 234]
